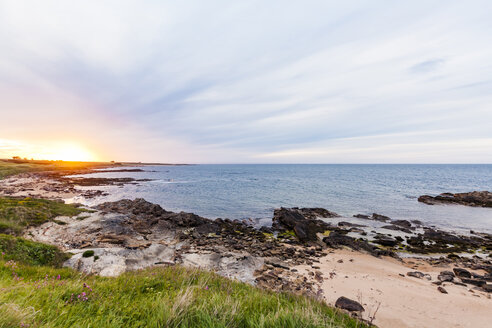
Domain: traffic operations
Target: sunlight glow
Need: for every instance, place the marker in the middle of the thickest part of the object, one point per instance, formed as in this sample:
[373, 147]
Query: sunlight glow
[65, 151]
[69, 152]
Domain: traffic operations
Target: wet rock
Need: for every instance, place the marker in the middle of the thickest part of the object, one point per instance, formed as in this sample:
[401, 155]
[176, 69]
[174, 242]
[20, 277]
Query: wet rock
[305, 228]
[348, 224]
[374, 217]
[379, 217]
[402, 223]
[396, 228]
[385, 240]
[474, 198]
[316, 212]
[487, 288]
[348, 304]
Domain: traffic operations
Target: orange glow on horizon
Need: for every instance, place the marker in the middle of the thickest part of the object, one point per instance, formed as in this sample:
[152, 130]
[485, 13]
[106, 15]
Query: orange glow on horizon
[68, 153]
[65, 151]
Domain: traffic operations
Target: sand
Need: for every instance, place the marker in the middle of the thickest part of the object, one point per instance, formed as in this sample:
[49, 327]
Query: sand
[403, 301]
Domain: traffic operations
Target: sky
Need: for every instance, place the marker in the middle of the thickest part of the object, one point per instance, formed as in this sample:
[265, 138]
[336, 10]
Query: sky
[247, 81]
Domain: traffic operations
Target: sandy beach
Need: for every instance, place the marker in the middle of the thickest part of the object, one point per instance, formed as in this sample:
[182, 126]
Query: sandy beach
[401, 301]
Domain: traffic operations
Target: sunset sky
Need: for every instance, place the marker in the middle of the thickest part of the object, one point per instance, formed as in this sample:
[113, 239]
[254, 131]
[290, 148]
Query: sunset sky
[247, 81]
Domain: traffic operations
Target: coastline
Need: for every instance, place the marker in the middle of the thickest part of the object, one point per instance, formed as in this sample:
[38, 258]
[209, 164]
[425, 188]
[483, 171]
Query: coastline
[238, 251]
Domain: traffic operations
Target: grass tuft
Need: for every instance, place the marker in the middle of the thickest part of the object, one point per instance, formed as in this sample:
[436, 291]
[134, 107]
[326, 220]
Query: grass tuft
[30, 252]
[159, 297]
[18, 213]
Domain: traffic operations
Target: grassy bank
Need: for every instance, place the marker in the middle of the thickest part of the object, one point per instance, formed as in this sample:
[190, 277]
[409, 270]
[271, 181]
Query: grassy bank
[160, 297]
[17, 214]
[29, 252]
[10, 167]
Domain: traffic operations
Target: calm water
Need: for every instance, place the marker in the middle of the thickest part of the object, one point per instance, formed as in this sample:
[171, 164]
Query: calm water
[253, 191]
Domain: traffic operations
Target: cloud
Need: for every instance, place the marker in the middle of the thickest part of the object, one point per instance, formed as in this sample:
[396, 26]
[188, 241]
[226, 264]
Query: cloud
[218, 81]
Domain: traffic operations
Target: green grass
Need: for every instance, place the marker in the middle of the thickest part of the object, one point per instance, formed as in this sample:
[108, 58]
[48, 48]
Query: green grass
[8, 168]
[30, 252]
[17, 213]
[158, 297]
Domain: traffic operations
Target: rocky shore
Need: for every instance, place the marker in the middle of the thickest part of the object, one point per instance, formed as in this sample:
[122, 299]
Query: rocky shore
[474, 198]
[291, 255]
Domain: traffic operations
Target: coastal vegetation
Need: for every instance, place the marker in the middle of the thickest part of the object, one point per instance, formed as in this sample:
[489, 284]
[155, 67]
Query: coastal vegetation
[18, 213]
[42, 296]
[10, 168]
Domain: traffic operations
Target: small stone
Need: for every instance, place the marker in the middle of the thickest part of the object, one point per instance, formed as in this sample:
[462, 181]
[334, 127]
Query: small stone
[415, 274]
[442, 290]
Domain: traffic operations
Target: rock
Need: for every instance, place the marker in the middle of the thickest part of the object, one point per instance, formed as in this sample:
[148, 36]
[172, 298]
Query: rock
[348, 224]
[402, 223]
[385, 241]
[446, 276]
[396, 228]
[474, 198]
[304, 228]
[416, 274]
[316, 212]
[487, 288]
[474, 282]
[379, 217]
[461, 273]
[442, 290]
[348, 304]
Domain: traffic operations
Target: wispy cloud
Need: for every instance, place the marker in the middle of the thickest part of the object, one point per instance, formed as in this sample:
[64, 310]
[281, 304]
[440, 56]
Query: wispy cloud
[222, 81]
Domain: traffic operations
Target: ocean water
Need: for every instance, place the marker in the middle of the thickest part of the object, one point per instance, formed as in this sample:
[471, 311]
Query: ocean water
[254, 191]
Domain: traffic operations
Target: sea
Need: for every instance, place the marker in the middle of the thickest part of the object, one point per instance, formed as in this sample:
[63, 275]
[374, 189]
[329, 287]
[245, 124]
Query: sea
[252, 192]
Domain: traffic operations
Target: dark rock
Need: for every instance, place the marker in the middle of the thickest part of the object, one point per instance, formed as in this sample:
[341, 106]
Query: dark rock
[474, 198]
[348, 304]
[442, 290]
[397, 228]
[474, 282]
[385, 241]
[487, 288]
[348, 224]
[416, 274]
[462, 273]
[304, 228]
[446, 276]
[402, 223]
[379, 217]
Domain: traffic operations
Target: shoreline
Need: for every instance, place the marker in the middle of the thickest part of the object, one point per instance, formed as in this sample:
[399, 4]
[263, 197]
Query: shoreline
[302, 266]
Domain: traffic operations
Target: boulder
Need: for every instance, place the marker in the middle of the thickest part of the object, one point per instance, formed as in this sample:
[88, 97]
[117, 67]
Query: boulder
[304, 228]
[474, 198]
[348, 304]
[446, 276]
[462, 273]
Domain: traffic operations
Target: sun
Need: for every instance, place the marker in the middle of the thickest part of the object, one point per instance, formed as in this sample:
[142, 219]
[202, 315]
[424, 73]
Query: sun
[65, 152]
[72, 153]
